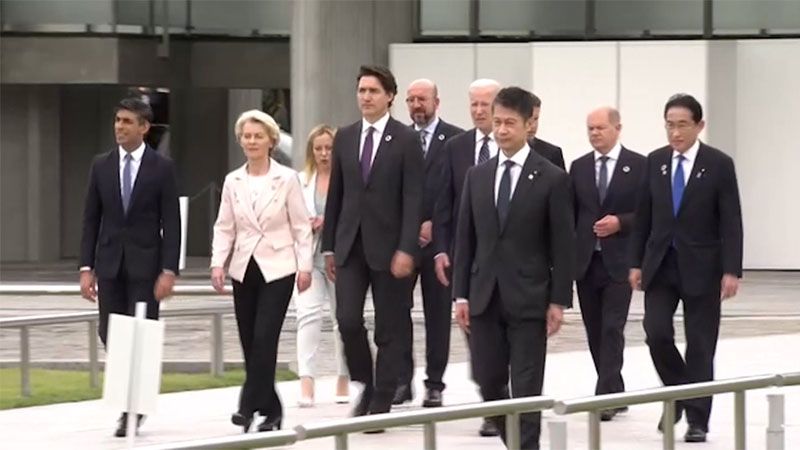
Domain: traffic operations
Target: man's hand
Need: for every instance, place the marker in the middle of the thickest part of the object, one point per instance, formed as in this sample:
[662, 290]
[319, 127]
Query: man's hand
[425, 233]
[635, 279]
[462, 316]
[316, 223]
[164, 285]
[218, 279]
[729, 286]
[330, 267]
[441, 264]
[402, 264]
[555, 317]
[303, 281]
[606, 226]
[88, 285]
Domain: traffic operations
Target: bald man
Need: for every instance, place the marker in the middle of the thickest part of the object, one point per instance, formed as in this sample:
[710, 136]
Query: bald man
[422, 99]
[605, 184]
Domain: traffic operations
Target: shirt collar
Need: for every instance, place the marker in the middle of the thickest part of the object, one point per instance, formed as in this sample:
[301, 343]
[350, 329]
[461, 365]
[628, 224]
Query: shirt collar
[379, 124]
[430, 128]
[613, 154]
[479, 136]
[518, 158]
[136, 155]
[690, 154]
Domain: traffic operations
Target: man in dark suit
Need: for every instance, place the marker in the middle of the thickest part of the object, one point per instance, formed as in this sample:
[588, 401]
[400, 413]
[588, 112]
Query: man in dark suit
[550, 152]
[371, 234]
[514, 261]
[687, 245]
[131, 199]
[463, 151]
[605, 185]
[422, 99]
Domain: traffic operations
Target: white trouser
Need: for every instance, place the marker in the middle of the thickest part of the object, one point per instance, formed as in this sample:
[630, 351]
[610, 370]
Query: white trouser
[310, 305]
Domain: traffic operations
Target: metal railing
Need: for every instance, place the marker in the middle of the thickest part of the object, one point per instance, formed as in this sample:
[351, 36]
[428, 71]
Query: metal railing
[340, 429]
[24, 324]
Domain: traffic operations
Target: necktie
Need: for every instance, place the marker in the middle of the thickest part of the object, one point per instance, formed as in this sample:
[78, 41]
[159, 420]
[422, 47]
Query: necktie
[366, 155]
[126, 183]
[602, 180]
[483, 154]
[422, 134]
[678, 185]
[504, 193]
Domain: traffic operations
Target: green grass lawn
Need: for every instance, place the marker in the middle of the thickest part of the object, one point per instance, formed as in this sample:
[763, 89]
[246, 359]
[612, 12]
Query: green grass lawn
[59, 386]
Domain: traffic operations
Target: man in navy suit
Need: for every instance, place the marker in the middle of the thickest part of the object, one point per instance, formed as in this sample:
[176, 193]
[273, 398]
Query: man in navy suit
[550, 152]
[130, 201]
[605, 184]
[687, 245]
[422, 99]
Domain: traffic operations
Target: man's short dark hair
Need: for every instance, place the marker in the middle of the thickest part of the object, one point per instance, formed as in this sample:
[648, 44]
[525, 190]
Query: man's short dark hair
[516, 99]
[384, 76]
[537, 102]
[137, 106]
[685, 101]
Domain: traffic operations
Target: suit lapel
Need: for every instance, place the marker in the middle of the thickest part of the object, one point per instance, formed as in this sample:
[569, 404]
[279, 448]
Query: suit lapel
[146, 169]
[273, 182]
[242, 193]
[113, 171]
[381, 146]
[527, 178]
[698, 171]
[435, 145]
[590, 178]
[486, 190]
[621, 169]
[355, 154]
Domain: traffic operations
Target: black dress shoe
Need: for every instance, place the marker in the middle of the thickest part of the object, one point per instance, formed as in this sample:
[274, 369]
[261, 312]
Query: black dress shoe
[122, 424]
[695, 434]
[609, 414]
[488, 428]
[362, 402]
[242, 420]
[403, 394]
[678, 415]
[433, 398]
[270, 424]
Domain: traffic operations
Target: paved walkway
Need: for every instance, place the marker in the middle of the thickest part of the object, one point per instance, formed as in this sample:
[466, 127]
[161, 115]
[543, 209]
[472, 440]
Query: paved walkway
[203, 414]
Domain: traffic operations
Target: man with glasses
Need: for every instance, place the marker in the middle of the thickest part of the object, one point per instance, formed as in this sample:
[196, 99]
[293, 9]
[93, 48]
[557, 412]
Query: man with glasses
[686, 245]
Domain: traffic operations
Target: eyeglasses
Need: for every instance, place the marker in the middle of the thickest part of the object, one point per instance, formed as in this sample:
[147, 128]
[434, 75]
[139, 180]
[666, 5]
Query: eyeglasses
[680, 126]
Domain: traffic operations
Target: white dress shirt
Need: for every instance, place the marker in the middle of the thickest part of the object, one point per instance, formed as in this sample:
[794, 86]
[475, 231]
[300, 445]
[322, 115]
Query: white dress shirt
[479, 143]
[688, 163]
[430, 129]
[611, 163]
[379, 126]
[136, 161]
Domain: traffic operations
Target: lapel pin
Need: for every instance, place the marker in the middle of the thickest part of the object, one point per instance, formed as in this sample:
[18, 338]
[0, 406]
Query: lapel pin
[626, 169]
[441, 137]
[388, 138]
[663, 169]
[530, 176]
[701, 173]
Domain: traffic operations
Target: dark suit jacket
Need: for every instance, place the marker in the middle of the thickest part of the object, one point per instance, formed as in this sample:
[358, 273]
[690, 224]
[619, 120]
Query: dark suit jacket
[458, 155]
[387, 209]
[621, 200]
[433, 166]
[111, 238]
[707, 233]
[550, 152]
[530, 260]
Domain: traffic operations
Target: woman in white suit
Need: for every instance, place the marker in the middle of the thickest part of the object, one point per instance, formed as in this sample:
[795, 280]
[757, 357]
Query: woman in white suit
[263, 237]
[310, 304]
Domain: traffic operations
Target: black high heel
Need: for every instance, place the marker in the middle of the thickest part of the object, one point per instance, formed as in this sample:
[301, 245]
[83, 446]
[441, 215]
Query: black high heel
[270, 424]
[242, 420]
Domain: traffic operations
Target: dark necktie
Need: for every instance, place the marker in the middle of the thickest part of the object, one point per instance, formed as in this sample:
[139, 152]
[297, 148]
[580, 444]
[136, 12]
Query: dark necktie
[127, 183]
[678, 185]
[504, 193]
[366, 155]
[602, 180]
[483, 154]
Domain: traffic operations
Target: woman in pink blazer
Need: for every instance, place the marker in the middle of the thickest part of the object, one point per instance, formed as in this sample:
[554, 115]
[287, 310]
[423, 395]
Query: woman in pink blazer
[263, 237]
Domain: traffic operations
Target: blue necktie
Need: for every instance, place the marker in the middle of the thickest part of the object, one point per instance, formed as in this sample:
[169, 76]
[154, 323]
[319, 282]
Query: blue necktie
[483, 154]
[504, 193]
[126, 183]
[678, 185]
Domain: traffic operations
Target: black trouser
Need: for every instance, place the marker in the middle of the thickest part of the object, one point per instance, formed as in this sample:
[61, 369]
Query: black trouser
[498, 341]
[392, 300]
[604, 308]
[260, 309]
[437, 307]
[119, 296]
[701, 315]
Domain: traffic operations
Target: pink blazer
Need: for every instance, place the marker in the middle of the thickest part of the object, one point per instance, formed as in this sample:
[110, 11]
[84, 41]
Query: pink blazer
[276, 233]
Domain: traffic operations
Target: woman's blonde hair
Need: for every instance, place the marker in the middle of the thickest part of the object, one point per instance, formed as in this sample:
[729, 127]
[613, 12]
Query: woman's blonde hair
[311, 162]
[260, 117]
